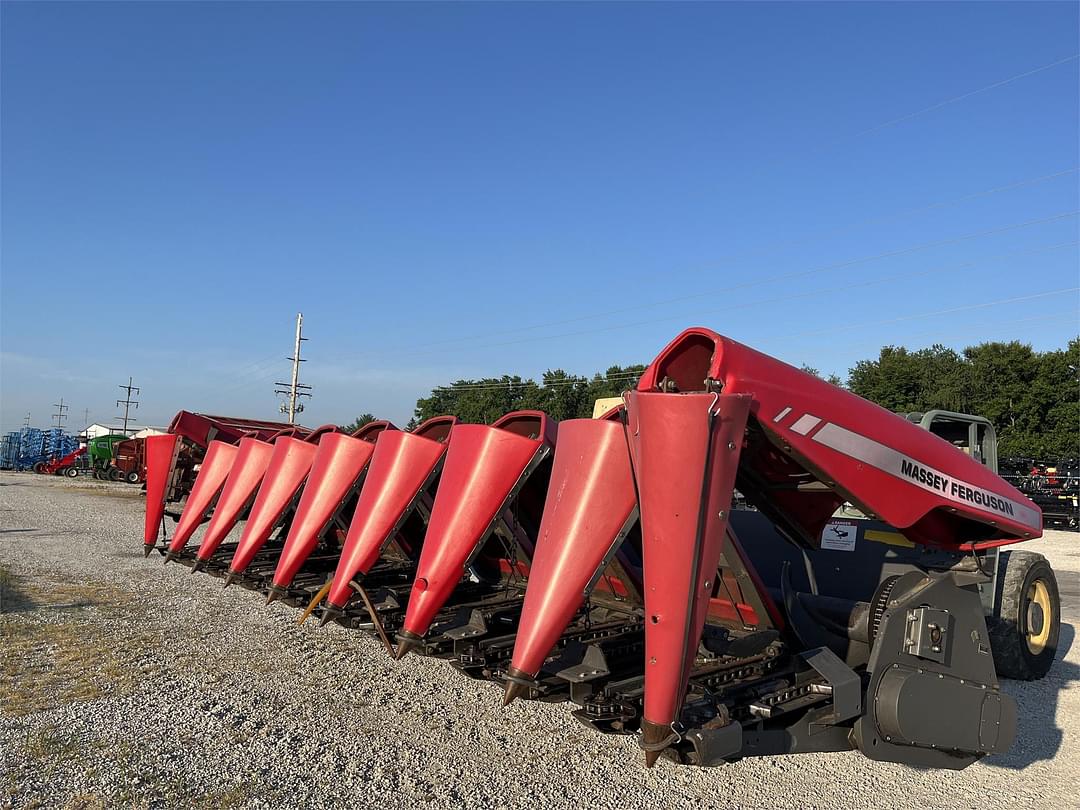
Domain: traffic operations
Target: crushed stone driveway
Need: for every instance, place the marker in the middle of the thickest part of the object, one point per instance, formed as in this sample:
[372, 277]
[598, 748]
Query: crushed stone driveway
[127, 683]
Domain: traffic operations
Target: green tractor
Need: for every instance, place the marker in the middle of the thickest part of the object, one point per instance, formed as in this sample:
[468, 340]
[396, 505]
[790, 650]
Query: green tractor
[101, 450]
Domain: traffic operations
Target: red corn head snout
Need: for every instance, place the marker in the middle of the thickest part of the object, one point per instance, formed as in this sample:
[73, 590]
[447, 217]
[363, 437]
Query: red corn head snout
[483, 464]
[160, 461]
[590, 502]
[214, 470]
[400, 467]
[252, 459]
[338, 466]
[285, 474]
[685, 451]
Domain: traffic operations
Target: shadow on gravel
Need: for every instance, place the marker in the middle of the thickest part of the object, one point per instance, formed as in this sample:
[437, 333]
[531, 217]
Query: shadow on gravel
[22, 594]
[14, 596]
[17, 531]
[1038, 736]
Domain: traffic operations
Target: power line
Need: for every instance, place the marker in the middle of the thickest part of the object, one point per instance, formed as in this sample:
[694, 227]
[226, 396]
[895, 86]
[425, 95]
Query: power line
[803, 154]
[581, 380]
[293, 389]
[260, 374]
[532, 383]
[1014, 300]
[963, 96]
[934, 313]
[60, 414]
[772, 247]
[742, 305]
[859, 134]
[937, 334]
[856, 135]
[758, 281]
[127, 403]
[633, 376]
[769, 247]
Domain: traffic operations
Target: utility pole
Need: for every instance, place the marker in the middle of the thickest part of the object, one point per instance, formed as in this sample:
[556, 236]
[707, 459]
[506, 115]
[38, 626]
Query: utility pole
[86, 418]
[127, 403]
[59, 416]
[294, 390]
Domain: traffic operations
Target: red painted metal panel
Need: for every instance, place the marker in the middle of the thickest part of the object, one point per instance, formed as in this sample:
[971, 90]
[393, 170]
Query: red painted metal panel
[400, 465]
[590, 499]
[482, 466]
[160, 458]
[685, 450]
[214, 470]
[339, 463]
[931, 491]
[252, 459]
[200, 429]
[289, 466]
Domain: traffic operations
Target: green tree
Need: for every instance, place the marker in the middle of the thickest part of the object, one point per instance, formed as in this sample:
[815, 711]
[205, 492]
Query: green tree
[358, 423]
[832, 379]
[1032, 398]
[905, 381]
[560, 394]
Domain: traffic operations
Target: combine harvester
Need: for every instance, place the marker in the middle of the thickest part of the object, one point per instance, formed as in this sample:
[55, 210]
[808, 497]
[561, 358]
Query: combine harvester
[861, 603]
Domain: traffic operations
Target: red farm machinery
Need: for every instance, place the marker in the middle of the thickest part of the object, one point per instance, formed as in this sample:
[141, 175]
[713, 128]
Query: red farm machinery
[67, 465]
[866, 596]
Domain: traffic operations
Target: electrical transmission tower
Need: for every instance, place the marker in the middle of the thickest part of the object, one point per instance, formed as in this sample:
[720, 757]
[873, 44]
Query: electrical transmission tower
[127, 403]
[60, 414]
[293, 389]
[26, 420]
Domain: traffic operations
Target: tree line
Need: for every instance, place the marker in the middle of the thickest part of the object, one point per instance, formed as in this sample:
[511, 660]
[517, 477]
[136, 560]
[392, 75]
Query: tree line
[1032, 398]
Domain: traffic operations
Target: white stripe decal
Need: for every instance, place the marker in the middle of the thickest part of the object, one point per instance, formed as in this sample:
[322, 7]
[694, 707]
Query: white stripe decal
[782, 414]
[900, 466]
[805, 423]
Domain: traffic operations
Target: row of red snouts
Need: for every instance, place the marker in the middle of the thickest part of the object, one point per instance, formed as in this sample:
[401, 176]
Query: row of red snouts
[661, 456]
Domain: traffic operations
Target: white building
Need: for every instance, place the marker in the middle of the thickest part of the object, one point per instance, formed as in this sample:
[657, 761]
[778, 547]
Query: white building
[95, 430]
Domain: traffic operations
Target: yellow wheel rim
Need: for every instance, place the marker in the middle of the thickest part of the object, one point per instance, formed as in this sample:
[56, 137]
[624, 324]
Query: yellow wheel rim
[1039, 595]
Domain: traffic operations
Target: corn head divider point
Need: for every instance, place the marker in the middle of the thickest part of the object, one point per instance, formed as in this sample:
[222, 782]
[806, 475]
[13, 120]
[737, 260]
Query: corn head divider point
[675, 569]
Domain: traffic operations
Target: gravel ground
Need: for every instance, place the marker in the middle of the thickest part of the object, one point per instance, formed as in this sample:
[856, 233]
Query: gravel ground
[125, 682]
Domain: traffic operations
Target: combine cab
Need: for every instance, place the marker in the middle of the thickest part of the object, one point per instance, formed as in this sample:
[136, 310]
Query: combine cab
[868, 597]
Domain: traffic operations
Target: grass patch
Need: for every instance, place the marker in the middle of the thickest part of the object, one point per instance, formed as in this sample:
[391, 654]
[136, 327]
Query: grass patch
[46, 743]
[86, 801]
[53, 663]
[226, 799]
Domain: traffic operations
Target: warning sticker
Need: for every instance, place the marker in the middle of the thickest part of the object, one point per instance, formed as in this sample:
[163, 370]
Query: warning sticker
[839, 535]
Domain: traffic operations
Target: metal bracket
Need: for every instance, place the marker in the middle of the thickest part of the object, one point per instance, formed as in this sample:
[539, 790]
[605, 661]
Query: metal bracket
[843, 684]
[926, 634]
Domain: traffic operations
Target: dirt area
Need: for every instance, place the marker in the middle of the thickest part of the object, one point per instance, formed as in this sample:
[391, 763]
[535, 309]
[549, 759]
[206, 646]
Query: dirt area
[127, 683]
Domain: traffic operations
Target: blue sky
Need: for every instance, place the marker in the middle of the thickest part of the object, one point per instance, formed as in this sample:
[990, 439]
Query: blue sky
[465, 190]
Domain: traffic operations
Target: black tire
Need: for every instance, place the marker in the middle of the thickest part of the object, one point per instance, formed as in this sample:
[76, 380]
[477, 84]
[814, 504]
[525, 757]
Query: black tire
[132, 477]
[1023, 639]
[115, 474]
[71, 472]
[38, 466]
